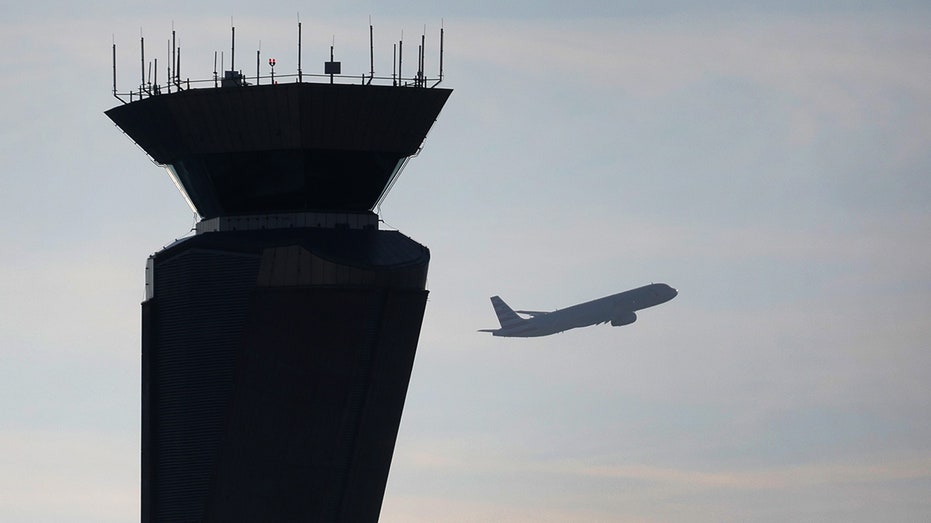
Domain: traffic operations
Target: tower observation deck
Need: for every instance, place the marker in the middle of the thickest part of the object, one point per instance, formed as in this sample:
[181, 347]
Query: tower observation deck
[285, 147]
[278, 341]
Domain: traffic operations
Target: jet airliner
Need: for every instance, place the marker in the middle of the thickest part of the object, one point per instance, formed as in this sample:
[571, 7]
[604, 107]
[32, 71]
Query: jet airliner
[619, 309]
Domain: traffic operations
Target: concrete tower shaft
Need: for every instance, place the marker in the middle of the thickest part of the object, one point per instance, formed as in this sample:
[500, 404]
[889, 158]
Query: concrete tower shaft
[275, 367]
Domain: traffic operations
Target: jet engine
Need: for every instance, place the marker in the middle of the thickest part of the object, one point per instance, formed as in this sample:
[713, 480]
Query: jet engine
[623, 318]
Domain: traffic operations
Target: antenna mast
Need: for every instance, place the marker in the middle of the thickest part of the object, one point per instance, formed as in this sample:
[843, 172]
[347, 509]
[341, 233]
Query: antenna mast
[173, 78]
[423, 49]
[142, 62]
[371, 51]
[299, 72]
[114, 72]
[441, 58]
[114, 66]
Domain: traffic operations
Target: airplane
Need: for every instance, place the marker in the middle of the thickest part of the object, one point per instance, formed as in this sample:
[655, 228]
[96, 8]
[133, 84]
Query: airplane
[619, 309]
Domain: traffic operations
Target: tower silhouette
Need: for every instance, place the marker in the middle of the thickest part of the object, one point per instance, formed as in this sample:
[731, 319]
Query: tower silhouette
[278, 341]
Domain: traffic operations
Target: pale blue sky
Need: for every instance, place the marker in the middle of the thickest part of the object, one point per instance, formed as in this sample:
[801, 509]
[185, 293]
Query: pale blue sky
[770, 163]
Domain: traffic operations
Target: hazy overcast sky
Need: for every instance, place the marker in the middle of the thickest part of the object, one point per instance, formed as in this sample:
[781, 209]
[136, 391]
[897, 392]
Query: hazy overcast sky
[771, 163]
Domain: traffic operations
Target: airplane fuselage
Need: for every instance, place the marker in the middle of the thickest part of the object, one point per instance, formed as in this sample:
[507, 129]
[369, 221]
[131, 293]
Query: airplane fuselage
[618, 309]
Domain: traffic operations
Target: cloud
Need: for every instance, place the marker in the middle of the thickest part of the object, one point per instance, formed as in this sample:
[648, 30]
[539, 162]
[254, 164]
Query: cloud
[810, 475]
[579, 490]
[825, 72]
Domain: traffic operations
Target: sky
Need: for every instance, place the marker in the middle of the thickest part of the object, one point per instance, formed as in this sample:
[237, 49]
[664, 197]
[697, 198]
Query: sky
[770, 162]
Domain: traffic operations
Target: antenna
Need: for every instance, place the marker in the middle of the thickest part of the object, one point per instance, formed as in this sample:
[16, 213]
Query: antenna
[332, 67]
[400, 59]
[371, 50]
[114, 64]
[142, 61]
[173, 79]
[423, 47]
[168, 69]
[114, 71]
[331, 59]
[258, 53]
[394, 65]
[233, 49]
[171, 61]
[299, 72]
[215, 69]
[441, 56]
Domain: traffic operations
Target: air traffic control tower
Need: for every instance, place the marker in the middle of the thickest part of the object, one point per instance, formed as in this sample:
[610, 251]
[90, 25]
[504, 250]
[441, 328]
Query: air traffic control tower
[278, 341]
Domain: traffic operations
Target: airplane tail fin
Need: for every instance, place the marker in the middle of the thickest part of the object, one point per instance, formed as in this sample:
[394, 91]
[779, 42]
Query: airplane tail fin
[506, 316]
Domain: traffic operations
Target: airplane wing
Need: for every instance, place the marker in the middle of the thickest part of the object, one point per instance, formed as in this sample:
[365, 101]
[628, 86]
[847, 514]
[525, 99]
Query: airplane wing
[533, 313]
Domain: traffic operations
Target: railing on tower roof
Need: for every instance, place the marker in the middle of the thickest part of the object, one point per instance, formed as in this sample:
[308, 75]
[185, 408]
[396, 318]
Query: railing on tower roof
[149, 85]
